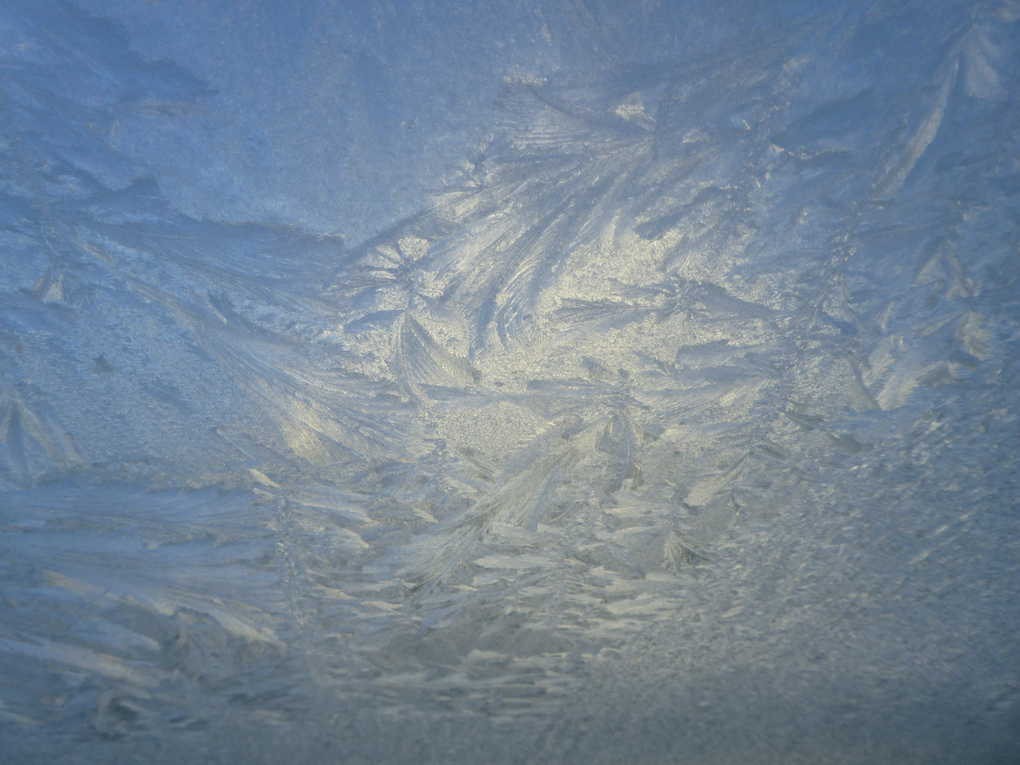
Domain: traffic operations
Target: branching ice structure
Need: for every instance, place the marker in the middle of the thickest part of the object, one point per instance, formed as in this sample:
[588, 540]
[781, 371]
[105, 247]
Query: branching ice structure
[678, 425]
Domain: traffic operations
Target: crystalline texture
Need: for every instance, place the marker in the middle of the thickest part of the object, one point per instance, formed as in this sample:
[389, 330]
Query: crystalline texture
[653, 400]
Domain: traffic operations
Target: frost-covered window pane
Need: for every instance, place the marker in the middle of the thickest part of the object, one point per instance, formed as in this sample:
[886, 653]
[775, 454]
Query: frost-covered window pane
[528, 381]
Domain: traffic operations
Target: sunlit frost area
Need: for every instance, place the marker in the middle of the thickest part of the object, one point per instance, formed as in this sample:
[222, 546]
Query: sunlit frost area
[534, 381]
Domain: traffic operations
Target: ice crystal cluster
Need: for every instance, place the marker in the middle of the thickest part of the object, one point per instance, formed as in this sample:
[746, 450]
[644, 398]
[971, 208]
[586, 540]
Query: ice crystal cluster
[572, 381]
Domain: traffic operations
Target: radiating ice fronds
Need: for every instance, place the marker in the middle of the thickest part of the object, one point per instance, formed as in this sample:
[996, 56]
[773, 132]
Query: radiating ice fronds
[121, 605]
[697, 382]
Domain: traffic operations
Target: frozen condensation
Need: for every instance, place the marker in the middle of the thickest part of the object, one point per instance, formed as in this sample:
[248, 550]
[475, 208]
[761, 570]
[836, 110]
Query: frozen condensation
[555, 381]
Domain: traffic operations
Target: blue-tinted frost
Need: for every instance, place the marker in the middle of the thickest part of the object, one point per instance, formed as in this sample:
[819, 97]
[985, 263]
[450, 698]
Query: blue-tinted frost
[553, 381]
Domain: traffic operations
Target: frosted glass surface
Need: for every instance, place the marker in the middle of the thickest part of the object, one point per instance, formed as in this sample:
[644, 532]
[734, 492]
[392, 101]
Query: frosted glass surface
[527, 381]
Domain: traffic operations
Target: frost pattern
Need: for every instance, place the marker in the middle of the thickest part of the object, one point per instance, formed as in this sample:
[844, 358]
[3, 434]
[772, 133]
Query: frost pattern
[694, 350]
